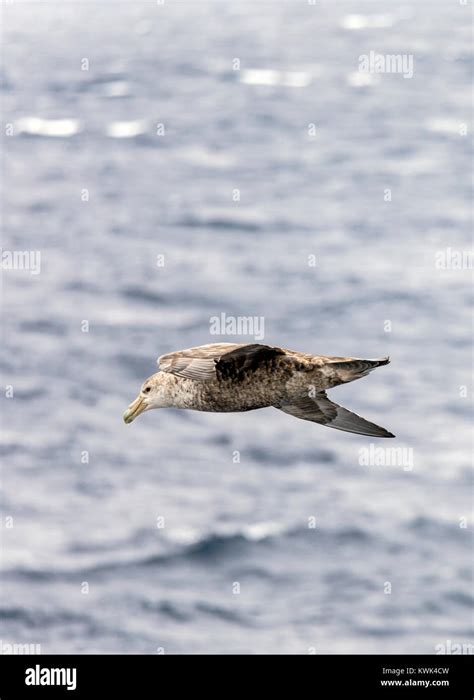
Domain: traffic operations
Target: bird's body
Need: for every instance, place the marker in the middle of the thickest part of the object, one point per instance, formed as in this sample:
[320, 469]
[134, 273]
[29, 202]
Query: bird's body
[226, 377]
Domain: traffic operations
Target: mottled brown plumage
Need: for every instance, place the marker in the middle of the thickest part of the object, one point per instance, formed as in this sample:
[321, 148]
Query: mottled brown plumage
[226, 377]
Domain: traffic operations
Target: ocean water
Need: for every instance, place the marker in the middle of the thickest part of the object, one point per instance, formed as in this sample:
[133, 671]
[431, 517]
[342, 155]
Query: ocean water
[175, 162]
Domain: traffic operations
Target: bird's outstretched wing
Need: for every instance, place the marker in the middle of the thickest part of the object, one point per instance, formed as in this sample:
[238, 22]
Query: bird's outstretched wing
[321, 410]
[219, 361]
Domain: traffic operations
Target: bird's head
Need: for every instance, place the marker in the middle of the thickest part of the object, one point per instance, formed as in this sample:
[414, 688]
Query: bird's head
[152, 395]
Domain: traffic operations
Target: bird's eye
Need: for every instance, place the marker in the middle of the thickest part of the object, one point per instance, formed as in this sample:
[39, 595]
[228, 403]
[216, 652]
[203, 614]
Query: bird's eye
[147, 390]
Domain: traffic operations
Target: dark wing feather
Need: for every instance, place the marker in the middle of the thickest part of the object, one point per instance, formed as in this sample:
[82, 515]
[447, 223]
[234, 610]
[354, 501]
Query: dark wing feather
[219, 361]
[246, 359]
[321, 410]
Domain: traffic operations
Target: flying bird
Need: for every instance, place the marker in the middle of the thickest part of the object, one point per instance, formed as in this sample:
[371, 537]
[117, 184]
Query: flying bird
[228, 377]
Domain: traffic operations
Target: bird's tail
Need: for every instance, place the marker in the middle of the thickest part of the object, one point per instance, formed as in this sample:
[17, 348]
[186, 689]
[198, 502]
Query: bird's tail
[352, 368]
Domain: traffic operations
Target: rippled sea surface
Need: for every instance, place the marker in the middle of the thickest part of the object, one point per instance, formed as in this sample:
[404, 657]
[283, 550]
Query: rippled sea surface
[236, 140]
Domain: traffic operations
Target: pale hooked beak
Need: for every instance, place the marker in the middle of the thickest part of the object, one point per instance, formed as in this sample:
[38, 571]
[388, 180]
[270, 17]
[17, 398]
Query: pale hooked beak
[134, 410]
